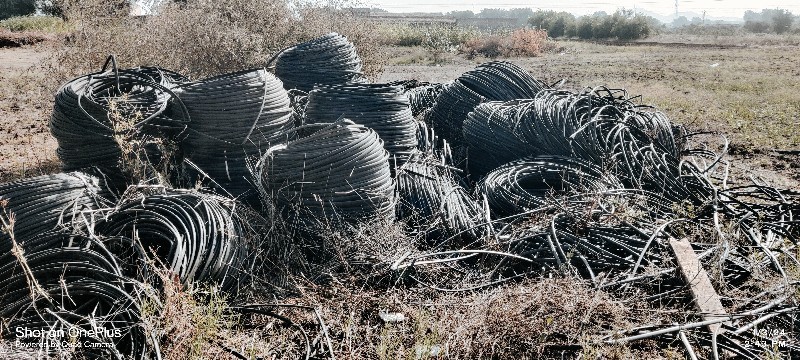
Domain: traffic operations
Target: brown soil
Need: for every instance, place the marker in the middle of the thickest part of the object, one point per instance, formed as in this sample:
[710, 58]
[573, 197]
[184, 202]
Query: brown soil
[26, 146]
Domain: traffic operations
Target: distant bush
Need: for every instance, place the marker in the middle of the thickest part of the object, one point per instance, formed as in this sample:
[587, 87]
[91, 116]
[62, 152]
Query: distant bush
[439, 36]
[778, 21]
[557, 24]
[631, 28]
[521, 42]
[34, 23]
[623, 25]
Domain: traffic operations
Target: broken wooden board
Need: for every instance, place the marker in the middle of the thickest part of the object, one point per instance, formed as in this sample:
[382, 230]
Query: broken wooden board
[705, 297]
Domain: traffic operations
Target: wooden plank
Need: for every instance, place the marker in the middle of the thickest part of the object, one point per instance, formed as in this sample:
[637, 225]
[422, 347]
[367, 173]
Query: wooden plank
[705, 297]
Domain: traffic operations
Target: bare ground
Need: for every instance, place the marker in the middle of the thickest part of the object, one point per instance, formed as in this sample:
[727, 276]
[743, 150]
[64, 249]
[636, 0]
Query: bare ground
[26, 146]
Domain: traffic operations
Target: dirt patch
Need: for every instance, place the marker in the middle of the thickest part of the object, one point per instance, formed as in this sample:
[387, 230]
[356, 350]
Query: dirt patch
[17, 60]
[26, 146]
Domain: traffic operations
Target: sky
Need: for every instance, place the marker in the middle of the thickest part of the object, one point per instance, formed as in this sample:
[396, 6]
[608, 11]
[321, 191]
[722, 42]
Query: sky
[715, 8]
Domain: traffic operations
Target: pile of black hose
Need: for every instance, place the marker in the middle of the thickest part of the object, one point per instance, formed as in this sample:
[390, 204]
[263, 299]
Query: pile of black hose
[603, 127]
[338, 174]
[71, 287]
[525, 184]
[431, 145]
[328, 60]
[421, 95]
[199, 237]
[433, 203]
[382, 108]
[234, 116]
[493, 81]
[492, 134]
[47, 202]
[598, 126]
[91, 110]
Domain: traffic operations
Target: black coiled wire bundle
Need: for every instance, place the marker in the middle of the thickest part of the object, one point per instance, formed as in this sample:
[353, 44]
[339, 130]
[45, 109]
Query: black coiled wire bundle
[234, 116]
[493, 81]
[433, 203]
[382, 108]
[46, 202]
[338, 174]
[603, 127]
[328, 60]
[199, 237]
[525, 184]
[64, 285]
[423, 97]
[90, 110]
[492, 134]
[599, 126]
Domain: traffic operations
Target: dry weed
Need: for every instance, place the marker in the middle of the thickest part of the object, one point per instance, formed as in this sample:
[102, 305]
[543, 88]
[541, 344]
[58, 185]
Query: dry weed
[520, 42]
[205, 37]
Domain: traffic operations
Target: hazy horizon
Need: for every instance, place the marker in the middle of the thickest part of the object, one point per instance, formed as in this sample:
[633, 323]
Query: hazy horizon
[713, 8]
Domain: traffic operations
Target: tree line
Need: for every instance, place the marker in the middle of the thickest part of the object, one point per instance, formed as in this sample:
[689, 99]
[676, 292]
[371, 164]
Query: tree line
[778, 21]
[622, 25]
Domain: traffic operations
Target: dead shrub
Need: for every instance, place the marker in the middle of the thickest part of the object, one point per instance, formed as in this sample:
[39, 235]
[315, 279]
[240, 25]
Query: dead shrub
[204, 37]
[520, 42]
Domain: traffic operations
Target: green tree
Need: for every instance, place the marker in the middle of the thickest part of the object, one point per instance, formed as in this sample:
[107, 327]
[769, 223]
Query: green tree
[602, 26]
[583, 28]
[557, 24]
[781, 21]
[631, 28]
[11, 8]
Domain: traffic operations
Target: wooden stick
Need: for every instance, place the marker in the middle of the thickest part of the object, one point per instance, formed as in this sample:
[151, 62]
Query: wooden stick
[705, 297]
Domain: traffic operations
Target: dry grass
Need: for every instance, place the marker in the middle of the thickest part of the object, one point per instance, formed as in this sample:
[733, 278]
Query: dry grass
[521, 42]
[202, 38]
[546, 318]
[25, 143]
[21, 38]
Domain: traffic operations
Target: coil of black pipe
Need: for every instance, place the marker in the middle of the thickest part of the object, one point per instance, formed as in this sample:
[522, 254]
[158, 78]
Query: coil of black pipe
[493, 81]
[603, 127]
[234, 117]
[328, 60]
[47, 202]
[199, 237]
[65, 285]
[382, 108]
[492, 135]
[421, 95]
[433, 203]
[338, 174]
[90, 110]
[526, 183]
